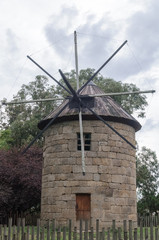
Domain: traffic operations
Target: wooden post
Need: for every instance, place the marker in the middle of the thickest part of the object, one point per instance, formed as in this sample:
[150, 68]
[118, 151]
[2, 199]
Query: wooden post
[42, 234]
[151, 228]
[5, 229]
[103, 233]
[69, 229]
[58, 233]
[97, 229]
[74, 234]
[125, 230]
[64, 233]
[91, 234]
[113, 229]
[108, 232]
[28, 233]
[48, 230]
[135, 233]
[18, 228]
[156, 233]
[14, 232]
[119, 233]
[141, 229]
[9, 228]
[146, 233]
[32, 233]
[80, 229]
[0, 229]
[38, 229]
[53, 230]
[86, 230]
[130, 230]
[23, 229]
[100, 235]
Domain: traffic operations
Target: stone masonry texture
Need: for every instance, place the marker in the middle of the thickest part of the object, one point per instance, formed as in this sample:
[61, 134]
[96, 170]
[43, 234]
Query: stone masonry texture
[110, 173]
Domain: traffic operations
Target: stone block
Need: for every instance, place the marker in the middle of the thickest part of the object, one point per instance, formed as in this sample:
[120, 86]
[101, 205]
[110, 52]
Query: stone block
[112, 155]
[88, 169]
[72, 146]
[117, 179]
[120, 201]
[116, 209]
[106, 205]
[67, 129]
[96, 177]
[103, 169]
[60, 169]
[75, 190]
[105, 149]
[94, 146]
[121, 193]
[126, 209]
[105, 177]
[101, 161]
[109, 192]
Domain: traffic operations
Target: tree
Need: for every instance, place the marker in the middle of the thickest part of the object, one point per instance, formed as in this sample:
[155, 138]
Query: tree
[130, 103]
[38, 89]
[6, 141]
[23, 118]
[147, 180]
[20, 180]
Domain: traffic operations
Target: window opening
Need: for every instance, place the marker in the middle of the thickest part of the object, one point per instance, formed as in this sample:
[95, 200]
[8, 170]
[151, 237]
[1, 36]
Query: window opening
[87, 141]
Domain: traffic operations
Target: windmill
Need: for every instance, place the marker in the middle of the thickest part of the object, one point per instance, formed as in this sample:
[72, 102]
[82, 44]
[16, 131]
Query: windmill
[79, 101]
[107, 186]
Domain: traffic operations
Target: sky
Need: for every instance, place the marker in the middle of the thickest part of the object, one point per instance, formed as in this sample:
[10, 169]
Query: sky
[44, 30]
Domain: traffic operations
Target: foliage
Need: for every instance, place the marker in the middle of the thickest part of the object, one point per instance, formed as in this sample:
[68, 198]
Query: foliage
[6, 140]
[38, 89]
[130, 103]
[20, 179]
[147, 180]
[23, 118]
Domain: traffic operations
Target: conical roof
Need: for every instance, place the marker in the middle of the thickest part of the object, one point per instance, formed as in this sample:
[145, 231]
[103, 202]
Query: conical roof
[104, 106]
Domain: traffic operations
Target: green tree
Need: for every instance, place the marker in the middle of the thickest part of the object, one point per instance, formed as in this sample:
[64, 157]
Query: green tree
[147, 180]
[23, 118]
[38, 89]
[6, 140]
[131, 103]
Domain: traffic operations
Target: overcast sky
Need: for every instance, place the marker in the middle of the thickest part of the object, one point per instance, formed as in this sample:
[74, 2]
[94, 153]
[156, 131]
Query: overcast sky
[44, 30]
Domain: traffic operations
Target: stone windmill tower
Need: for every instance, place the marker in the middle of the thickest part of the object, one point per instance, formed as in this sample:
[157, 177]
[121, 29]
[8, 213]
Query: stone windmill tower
[108, 189]
[104, 187]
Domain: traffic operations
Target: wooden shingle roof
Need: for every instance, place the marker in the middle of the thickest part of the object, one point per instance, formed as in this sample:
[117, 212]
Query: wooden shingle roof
[104, 106]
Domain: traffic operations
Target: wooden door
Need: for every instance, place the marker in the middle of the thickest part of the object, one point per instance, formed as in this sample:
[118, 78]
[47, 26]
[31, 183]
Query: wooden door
[83, 206]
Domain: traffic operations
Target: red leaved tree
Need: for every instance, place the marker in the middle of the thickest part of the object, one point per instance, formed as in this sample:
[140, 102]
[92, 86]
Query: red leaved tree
[20, 180]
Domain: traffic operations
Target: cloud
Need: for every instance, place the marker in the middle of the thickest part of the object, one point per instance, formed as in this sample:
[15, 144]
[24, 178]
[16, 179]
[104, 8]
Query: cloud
[99, 37]
[11, 40]
[143, 31]
[150, 125]
[95, 36]
[57, 30]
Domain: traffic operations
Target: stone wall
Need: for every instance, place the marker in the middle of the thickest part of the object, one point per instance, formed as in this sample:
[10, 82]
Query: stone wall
[110, 173]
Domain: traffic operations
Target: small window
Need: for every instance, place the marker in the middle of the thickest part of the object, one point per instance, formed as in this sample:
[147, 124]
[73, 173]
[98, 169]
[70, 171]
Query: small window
[87, 141]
